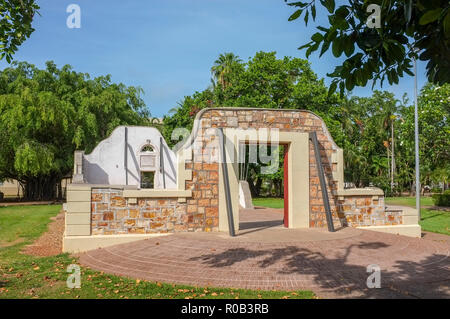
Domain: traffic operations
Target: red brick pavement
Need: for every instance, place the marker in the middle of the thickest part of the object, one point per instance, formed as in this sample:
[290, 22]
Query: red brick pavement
[335, 268]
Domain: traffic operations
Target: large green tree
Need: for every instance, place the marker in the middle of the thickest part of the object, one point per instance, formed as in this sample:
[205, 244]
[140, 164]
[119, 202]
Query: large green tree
[264, 81]
[434, 130]
[406, 29]
[362, 126]
[47, 114]
[269, 82]
[368, 138]
[368, 143]
[224, 66]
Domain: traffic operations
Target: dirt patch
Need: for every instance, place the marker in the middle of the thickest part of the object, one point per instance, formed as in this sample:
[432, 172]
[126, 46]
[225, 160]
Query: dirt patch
[11, 243]
[436, 237]
[50, 243]
[440, 208]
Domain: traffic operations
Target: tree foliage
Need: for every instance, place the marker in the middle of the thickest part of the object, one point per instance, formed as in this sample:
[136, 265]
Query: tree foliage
[375, 54]
[368, 138]
[368, 144]
[434, 130]
[362, 126]
[16, 17]
[264, 81]
[223, 66]
[45, 115]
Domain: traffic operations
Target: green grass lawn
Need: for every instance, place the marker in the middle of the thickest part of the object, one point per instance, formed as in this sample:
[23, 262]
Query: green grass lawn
[409, 201]
[23, 276]
[270, 202]
[432, 220]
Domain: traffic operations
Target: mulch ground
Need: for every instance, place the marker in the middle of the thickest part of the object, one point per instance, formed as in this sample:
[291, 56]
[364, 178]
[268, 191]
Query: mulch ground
[50, 243]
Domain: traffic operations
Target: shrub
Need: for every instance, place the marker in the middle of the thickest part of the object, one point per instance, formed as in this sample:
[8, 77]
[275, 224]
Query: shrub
[442, 199]
[383, 183]
[436, 190]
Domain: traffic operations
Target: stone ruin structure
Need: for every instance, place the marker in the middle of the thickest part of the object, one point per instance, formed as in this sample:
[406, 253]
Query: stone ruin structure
[133, 186]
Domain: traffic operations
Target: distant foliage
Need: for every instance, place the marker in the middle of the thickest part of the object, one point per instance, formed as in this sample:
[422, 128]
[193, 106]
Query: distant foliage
[263, 81]
[442, 200]
[376, 54]
[362, 126]
[45, 115]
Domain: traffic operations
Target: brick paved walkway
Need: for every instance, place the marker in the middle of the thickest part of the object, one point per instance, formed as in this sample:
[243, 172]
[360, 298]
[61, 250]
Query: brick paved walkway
[267, 256]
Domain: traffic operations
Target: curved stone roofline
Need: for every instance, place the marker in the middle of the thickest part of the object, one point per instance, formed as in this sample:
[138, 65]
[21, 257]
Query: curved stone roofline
[191, 138]
[117, 128]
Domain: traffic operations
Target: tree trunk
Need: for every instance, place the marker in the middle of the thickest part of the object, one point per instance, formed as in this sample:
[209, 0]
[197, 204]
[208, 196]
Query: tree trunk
[251, 185]
[60, 194]
[40, 188]
[278, 190]
[258, 186]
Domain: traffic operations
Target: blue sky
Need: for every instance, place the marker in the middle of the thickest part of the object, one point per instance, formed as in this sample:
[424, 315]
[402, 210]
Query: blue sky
[167, 47]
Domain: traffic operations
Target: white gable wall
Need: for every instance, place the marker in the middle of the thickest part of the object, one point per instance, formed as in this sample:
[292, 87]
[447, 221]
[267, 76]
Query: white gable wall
[106, 163]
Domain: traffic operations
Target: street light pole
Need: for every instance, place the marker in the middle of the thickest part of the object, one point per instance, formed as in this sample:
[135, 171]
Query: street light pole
[416, 140]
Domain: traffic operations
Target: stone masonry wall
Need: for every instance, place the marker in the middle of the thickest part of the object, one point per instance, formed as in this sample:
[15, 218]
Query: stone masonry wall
[203, 208]
[114, 214]
[204, 184]
[367, 211]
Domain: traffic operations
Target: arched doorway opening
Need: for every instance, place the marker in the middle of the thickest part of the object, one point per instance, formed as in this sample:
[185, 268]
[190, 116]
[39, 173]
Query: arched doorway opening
[263, 180]
[293, 148]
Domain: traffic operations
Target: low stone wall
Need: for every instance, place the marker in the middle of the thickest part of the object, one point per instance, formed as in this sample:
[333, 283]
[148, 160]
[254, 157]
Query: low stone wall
[203, 207]
[367, 210]
[114, 214]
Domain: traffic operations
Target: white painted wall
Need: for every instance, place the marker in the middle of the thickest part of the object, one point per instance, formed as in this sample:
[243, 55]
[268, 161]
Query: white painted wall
[245, 196]
[106, 163]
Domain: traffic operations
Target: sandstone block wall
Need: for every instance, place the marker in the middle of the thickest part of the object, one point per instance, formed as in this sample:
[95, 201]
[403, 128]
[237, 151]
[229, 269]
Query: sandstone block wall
[113, 214]
[367, 211]
[203, 208]
[283, 120]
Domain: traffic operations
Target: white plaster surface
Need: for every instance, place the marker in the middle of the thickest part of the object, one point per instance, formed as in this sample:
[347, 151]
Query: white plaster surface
[245, 196]
[106, 163]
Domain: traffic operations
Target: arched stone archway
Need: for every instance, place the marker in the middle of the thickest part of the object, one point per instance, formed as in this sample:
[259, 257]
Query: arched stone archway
[255, 125]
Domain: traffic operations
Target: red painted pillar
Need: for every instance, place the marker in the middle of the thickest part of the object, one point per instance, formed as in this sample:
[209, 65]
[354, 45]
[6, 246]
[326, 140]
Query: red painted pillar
[286, 186]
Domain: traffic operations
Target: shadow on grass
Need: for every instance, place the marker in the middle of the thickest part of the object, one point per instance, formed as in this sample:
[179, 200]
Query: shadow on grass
[432, 215]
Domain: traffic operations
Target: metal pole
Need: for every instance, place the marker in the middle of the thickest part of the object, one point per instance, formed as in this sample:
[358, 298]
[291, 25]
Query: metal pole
[392, 157]
[226, 184]
[323, 184]
[125, 160]
[161, 161]
[416, 140]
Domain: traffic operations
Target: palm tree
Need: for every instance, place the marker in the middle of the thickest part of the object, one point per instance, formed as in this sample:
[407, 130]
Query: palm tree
[387, 118]
[212, 86]
[379, 164]
[224, 66]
